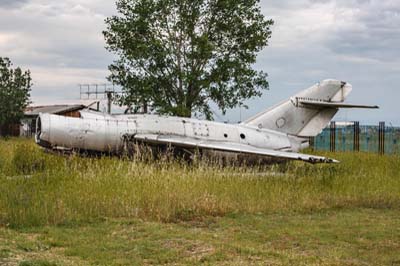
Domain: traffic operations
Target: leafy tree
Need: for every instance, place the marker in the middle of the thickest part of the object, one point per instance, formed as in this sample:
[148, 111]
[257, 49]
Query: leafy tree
[180, 55]
[15, 86]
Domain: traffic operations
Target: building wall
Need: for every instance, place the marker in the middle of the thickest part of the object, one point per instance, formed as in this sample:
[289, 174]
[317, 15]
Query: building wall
[28, 127]
[10, 130]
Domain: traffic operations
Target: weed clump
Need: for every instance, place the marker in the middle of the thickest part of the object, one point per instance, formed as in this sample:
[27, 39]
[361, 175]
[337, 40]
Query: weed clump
[28, 159]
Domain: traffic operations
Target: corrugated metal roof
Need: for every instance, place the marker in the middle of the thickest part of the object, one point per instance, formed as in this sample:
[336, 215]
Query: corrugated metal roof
[52, 109]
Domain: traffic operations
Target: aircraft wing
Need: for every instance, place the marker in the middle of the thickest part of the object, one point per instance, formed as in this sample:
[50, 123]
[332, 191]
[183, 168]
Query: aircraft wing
[228, 147]
[323, 104]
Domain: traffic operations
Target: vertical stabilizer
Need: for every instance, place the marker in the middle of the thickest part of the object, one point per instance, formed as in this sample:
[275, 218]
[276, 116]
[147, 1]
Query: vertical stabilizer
[307, 113]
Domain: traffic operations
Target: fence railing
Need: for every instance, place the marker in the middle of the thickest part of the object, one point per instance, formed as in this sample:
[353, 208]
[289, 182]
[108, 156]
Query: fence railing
[378, 139]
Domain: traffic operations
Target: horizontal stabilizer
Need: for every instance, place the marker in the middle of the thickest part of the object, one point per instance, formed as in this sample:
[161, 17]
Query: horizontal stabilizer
[228, 147]
[325, 104]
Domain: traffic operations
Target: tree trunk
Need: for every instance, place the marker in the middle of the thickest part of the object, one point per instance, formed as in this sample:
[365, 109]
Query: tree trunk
[184, 111]
[145, 107]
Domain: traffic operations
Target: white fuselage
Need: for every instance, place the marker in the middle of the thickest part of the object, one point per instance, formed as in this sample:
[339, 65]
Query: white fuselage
[106, 133]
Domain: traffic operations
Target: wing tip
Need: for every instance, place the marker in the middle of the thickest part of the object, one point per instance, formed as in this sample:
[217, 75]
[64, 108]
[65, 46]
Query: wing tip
[320, 160]
[329, 160]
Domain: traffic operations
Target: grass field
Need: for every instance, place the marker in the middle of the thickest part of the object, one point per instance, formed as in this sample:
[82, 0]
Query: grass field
[58, 210]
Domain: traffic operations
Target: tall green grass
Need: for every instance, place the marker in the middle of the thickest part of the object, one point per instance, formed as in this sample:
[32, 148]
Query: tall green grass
[37, 188]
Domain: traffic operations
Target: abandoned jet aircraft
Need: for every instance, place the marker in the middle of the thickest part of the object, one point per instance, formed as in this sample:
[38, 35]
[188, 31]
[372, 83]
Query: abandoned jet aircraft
[277, 133]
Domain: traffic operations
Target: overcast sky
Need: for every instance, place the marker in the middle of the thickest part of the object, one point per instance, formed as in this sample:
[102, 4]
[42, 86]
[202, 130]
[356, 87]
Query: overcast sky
[352, 40]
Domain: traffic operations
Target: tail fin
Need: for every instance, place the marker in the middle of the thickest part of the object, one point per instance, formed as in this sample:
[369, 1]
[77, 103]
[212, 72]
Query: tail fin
[307, 113]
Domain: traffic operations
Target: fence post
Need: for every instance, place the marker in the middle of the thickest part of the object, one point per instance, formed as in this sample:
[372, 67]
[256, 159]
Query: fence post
[356, 132]
[333, 136]
[312, 143]
[382, 128]
[344, 135]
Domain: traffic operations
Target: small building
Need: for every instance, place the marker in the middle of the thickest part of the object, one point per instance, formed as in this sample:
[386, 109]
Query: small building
[28, 123]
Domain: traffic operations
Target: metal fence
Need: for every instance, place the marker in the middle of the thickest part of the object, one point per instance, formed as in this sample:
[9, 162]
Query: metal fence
[378, 139]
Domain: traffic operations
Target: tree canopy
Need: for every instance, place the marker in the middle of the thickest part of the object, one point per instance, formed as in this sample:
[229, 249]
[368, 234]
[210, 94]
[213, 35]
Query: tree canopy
[181, 55]
[15, 87]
